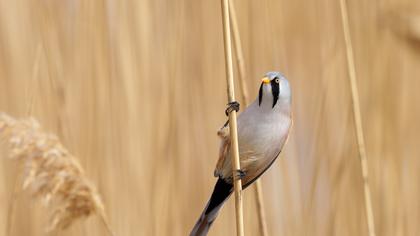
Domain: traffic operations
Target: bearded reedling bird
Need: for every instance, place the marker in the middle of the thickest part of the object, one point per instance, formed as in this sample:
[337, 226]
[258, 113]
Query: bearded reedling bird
[263, 128]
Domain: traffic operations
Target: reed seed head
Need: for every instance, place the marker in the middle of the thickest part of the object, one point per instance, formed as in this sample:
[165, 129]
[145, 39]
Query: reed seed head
[51, 173]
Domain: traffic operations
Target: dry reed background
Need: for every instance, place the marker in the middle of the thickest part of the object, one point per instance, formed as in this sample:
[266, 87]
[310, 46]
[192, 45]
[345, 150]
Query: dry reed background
[137, 91]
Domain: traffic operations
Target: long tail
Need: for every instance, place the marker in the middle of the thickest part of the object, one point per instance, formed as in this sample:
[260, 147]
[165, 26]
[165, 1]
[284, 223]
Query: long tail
[221, 193]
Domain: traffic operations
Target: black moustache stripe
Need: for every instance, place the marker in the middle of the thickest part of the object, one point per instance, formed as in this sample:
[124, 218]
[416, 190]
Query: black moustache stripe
[275, 89]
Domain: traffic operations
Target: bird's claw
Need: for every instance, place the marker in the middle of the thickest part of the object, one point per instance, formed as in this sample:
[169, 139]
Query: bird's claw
[232, 106]
[239, 174]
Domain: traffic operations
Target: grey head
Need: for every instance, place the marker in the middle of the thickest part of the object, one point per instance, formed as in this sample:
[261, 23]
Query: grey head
[274, 89]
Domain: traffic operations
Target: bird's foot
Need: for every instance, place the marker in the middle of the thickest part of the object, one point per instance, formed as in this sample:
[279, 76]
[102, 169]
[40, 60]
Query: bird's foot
[239, 174]
[225, 125]
[232, 106]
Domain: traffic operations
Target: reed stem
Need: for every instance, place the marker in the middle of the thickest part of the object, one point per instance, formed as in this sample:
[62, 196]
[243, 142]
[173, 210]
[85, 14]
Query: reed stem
[232, 117]
[30, 92]
[106, 224]
[237, 45]
[357, 118]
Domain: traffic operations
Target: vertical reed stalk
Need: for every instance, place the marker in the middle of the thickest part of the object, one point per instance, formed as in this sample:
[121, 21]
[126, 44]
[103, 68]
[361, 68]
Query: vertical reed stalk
[260, 207]
[11, 205]
[30, 93]
[357, 118]
[237, 45]
[232, 117]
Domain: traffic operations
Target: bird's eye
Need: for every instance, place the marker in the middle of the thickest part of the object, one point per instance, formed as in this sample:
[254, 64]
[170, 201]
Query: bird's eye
[277, 80]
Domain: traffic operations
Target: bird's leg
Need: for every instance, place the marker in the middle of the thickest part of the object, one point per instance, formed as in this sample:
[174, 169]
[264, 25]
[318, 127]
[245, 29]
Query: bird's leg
[226, 124]
[239, 174]
[232, 106]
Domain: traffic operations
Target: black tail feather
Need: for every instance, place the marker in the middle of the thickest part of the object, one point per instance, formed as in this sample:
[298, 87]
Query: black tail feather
[221, 192]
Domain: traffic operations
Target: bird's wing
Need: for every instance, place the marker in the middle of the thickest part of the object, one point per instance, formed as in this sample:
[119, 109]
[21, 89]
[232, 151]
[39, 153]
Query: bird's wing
[274, 153]
[224, 135]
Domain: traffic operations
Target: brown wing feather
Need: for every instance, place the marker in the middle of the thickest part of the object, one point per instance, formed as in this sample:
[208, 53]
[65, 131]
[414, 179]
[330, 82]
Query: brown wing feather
[224, 134]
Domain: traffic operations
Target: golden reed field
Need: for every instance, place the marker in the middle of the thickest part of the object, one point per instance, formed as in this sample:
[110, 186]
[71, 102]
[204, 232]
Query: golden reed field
[136, 91]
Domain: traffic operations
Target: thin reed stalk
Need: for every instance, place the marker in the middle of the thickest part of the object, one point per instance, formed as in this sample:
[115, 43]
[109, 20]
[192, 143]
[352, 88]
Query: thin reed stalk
[260, 207]
[51, 173]
[357, 118]
[237, 45]
[232, 117]
[30, 92]
[11, 205]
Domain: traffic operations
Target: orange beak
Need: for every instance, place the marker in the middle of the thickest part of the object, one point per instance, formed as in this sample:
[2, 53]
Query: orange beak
[265, 80]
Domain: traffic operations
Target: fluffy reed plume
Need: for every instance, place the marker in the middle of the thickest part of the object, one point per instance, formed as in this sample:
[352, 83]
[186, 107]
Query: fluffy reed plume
[51, 173]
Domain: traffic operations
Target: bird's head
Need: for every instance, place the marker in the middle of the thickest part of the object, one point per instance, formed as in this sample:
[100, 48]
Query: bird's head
[274, 90]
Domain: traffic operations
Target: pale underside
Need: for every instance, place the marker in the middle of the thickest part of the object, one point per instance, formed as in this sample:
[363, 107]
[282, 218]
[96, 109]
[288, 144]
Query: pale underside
[261, 137]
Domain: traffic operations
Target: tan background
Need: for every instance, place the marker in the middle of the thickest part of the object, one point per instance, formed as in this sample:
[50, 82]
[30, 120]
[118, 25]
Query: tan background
[136, 90]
